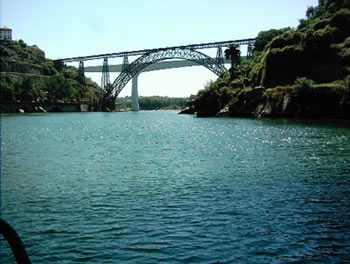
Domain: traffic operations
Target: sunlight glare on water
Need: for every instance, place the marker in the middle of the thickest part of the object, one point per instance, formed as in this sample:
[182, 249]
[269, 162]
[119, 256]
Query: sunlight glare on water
[157, 187]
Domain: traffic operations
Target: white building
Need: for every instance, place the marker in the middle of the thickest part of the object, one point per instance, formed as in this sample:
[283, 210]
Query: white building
[5, 33]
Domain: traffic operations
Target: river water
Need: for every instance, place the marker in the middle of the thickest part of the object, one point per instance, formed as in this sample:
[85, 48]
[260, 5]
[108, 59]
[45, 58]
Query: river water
[157, 187]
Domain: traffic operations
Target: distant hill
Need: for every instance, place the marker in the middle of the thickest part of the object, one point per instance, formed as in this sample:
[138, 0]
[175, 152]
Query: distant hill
[154, 102]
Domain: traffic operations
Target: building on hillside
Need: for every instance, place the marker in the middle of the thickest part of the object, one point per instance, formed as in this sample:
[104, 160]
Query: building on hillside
[5, 33]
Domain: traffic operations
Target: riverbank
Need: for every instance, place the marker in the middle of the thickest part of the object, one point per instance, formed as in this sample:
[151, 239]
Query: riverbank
[313, 101]
[298, 72]
[33, 107]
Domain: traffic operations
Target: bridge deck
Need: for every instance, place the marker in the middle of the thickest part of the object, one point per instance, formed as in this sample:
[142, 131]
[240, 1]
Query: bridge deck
[153, 67]
[249, 41]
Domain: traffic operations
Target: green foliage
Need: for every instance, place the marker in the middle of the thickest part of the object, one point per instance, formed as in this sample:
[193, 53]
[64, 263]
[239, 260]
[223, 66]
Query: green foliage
[303, 86]
[310, 12]
[303, 23]
[294, 61]
[319, 24]
[304, 89]
[283, 55]
[59, 65]
[341, 21]
[277, 93]
[323, 37]
[284, 61]
[56, 84]
[161, 102]
[49, 68]
[212, 99]
[233, 52]
[347, 83]
[26, 93]
[70, 72]
[312, 52]
[38, 91]
[7, 89]
[264, 37]
[154, 102]
[22, 43]
[288, 38]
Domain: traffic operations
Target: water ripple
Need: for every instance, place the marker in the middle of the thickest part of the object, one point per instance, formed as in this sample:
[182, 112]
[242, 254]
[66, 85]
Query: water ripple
[156, 187]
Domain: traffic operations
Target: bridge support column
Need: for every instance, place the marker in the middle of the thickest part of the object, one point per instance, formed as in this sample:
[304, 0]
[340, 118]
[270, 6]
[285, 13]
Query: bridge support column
[135, 95]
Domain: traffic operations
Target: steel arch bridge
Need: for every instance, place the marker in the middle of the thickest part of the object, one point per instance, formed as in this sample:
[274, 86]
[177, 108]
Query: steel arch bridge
[155, 56]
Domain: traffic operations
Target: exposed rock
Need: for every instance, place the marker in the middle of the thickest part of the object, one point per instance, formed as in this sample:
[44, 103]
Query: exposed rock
[39, 109]
[224, 112]
[246, 103]
[322, 102]
[288, 104]
[187, 110]
[42, 110]
[84, 107]
[20, 110]
[264, 109]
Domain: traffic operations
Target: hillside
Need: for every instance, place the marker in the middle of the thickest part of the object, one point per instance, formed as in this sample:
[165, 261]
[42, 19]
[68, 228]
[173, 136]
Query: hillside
[28, 77]
[302, 72]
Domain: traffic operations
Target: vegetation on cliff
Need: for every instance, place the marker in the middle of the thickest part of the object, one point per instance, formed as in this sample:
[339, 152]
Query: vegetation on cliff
[27, 76]
[298, 72]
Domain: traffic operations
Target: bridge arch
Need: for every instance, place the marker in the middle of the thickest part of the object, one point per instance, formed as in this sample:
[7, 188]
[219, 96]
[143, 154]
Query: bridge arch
[160, 55]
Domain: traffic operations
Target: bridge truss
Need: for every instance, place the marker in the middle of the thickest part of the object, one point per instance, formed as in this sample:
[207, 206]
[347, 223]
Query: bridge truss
[138, 65]
[151, 56]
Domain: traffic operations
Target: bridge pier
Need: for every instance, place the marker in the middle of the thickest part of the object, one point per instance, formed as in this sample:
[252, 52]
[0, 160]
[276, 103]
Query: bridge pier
[135, 94]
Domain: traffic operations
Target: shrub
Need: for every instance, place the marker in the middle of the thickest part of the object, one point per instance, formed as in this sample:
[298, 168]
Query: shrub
[7, 89]
[303, 83]
[288, 38]
[282, 66]
[303, 88]
[264, 37]
[22, 43]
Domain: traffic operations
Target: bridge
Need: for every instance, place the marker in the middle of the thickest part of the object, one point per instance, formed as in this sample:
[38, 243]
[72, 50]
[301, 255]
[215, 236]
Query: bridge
[150, 60]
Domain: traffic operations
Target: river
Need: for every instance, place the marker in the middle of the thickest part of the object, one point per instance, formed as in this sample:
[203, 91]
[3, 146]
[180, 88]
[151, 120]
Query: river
[158, 187]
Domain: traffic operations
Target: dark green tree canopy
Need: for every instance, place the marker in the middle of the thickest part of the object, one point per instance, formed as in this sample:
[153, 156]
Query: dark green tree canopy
[264, 37]
[234, 53]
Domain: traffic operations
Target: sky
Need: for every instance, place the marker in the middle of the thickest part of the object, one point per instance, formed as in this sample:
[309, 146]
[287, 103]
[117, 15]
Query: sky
[70, 28]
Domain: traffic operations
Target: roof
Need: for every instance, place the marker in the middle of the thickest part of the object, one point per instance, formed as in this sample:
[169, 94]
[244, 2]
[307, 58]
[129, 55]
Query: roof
[6, 28]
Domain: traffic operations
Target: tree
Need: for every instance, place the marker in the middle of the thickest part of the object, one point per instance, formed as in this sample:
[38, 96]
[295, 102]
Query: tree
[310, 12]
[233, 52]
[265, 37]
[7, 89]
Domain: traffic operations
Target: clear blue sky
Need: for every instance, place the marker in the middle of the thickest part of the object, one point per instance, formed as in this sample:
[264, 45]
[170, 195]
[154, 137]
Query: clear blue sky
[66, 28]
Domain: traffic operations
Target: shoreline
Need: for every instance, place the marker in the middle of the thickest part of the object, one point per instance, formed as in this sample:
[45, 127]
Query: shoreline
[34, 107]
[85, 107]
